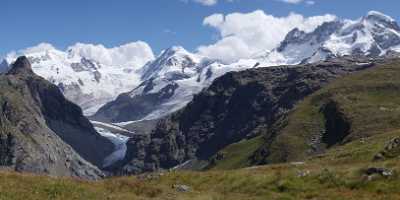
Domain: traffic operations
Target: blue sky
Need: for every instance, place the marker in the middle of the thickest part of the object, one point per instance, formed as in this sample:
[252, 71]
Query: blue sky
[160, 23]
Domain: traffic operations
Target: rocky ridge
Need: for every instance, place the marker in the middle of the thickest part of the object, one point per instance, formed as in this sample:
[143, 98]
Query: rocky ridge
[42, 132]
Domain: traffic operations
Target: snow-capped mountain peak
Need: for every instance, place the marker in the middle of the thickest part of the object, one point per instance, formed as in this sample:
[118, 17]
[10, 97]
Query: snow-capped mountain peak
[173, 61]
[89, 75]
[169, 83]
[174, 50]
[378, 16]
[372, 35]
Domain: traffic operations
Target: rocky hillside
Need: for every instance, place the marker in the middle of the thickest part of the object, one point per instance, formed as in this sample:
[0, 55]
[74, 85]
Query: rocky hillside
[354, 108]
[42, 132]
[236, 106]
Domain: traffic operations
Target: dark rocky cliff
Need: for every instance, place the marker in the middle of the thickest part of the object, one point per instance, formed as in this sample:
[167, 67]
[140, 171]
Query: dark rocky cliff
[42, 132]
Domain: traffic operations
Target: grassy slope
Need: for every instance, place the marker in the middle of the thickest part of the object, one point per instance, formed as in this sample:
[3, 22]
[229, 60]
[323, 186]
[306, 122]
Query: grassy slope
[336, 175]
[237, 155]
[369, 100]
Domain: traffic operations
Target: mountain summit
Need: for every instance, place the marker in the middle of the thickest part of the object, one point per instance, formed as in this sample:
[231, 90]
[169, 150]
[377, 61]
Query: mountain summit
[372, 35]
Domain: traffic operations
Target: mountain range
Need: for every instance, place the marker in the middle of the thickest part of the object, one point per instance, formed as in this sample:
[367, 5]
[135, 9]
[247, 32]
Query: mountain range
[126, 90]
[320, 112]
[89, 75]
[141, 87]
[170, 81]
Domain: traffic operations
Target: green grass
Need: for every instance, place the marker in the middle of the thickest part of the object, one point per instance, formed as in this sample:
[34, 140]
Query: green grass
[338, 174]
[237, 155]
[369, 100]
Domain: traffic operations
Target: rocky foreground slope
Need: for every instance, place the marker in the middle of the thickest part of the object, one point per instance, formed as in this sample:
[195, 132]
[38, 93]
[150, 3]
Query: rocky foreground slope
[42, 132]
[236, 106]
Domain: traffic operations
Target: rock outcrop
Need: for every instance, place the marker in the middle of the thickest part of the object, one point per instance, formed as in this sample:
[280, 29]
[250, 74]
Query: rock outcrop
[42, 132]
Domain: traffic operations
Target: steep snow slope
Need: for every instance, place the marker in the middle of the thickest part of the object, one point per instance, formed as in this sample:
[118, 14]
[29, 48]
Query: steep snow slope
[89, 75]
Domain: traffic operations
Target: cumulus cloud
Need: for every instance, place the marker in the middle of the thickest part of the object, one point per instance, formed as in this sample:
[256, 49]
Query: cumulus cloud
[42, 47]
[39, 48]
[243, 35]
[135, 53]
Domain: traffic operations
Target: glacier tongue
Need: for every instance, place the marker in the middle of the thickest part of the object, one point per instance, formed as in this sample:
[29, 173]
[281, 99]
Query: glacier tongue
[119, 142]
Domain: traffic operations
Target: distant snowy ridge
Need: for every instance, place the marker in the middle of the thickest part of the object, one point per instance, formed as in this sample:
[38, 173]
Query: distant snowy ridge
[128, 83]
[171, 80]
[169, 83]
[372, 35]
[89, 75]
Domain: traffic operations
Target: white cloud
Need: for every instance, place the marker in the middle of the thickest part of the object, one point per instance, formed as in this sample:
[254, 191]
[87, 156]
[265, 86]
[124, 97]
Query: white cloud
[42, 47]
[244, 34]
[135, 53]
[39, 48]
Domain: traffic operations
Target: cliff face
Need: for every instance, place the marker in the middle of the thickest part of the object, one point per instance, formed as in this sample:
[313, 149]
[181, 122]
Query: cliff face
[236, 106]
[42, 132]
